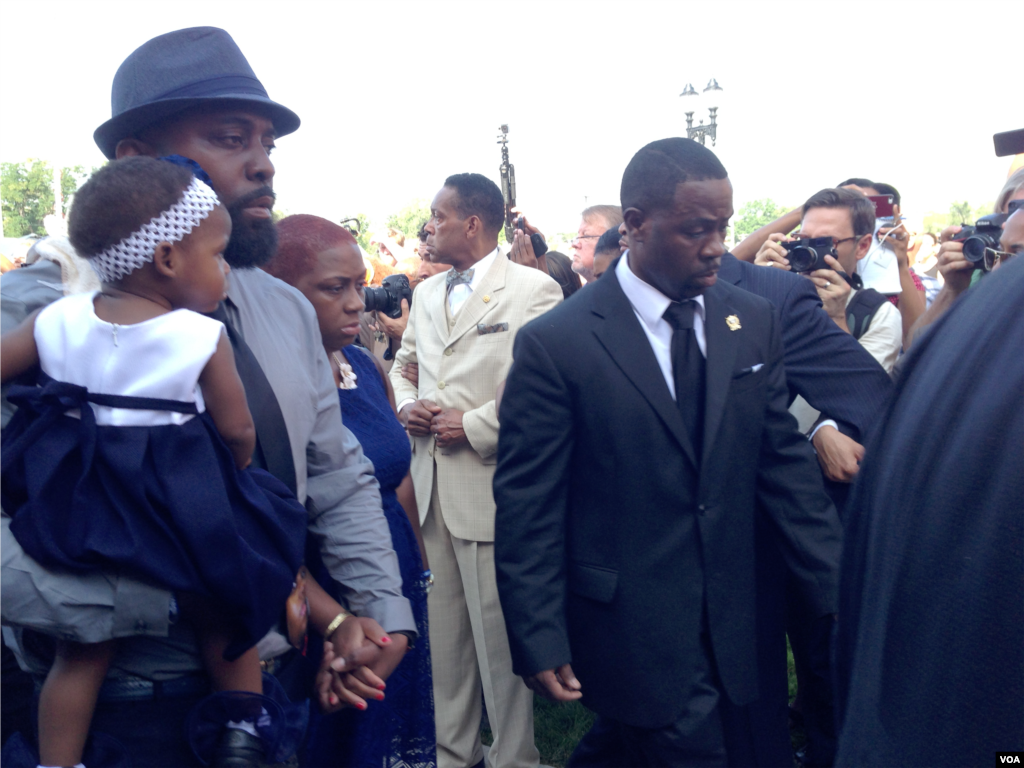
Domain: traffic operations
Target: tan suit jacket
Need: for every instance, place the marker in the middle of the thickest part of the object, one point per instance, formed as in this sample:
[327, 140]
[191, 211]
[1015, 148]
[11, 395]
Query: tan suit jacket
[461, 368]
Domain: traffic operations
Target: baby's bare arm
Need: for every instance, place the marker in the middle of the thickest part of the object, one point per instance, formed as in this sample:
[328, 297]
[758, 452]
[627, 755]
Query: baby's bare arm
[18, 351]
[225, 400]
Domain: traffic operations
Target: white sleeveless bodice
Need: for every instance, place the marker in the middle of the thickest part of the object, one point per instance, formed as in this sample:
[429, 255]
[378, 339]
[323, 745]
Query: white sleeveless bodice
[161, 357]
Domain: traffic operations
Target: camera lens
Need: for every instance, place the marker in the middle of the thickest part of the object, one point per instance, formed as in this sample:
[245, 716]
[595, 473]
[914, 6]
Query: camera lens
[974, 248]
[374, 299]
[802, 258]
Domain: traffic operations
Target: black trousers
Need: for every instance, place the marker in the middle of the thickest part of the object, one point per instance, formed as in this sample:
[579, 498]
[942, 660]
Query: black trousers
[710, 732]
[811, 639]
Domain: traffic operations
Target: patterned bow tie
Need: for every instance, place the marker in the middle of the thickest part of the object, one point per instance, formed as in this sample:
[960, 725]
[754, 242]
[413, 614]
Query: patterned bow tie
[455, 277]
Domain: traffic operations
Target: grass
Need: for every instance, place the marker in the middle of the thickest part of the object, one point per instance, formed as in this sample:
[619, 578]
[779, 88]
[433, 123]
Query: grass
[558, 728]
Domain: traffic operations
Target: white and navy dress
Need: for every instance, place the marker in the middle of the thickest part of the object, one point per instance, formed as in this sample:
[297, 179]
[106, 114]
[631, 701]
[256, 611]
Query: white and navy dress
[113, 463]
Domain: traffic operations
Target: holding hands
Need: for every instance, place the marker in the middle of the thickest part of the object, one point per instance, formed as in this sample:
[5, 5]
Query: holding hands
[351, 679]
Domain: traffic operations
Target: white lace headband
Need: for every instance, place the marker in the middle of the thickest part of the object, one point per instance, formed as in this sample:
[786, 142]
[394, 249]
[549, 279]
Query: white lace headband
[172, 225]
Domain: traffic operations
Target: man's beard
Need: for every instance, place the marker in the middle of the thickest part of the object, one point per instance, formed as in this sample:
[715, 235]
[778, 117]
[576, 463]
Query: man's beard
[253, 241]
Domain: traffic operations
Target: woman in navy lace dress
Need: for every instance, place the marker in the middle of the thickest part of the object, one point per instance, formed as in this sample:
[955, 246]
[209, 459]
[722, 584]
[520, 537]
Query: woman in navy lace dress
[322, 260]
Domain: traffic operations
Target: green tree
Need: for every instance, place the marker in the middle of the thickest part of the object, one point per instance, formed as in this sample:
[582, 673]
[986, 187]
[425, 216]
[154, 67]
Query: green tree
[982, 210]
[935, 222]
[409, 219]
[756, 214]
[27, 192]
[365, 230]
[961, 213]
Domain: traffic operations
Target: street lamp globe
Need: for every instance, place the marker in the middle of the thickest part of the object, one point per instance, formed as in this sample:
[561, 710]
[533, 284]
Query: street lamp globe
[713, 94]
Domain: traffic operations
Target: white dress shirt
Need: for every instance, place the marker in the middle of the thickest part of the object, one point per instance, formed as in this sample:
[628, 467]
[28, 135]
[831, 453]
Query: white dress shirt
[458, 294]
[650, 304]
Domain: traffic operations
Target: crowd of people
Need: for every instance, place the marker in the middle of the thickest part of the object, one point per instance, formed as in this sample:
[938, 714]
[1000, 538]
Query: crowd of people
[247, 521]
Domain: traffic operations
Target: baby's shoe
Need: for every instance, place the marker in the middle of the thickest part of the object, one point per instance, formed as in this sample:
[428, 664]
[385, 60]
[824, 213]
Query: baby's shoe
[238, 749]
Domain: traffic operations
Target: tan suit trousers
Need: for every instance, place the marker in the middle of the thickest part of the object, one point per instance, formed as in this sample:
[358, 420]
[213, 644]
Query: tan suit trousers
[469, 650]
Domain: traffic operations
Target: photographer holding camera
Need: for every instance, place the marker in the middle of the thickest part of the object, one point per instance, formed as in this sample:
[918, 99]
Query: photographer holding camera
[837, 230]
[961, 270]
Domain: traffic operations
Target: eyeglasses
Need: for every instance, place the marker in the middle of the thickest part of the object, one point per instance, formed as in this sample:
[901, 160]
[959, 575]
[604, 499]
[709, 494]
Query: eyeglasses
[993, 257]
[582, 237]
[836, 243]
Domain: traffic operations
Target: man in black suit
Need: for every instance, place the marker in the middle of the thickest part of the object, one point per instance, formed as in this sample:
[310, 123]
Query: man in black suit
[824, 365]
[837, 376]
[643, 421]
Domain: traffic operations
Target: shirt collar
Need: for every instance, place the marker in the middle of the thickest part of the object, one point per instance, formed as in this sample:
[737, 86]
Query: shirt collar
[481, 268]
[647, 301]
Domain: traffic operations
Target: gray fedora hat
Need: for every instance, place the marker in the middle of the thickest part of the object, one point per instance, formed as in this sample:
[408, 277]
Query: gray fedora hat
[179, 70]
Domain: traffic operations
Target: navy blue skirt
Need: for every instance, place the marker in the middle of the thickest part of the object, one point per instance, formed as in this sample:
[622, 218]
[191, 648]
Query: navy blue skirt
[162, 503]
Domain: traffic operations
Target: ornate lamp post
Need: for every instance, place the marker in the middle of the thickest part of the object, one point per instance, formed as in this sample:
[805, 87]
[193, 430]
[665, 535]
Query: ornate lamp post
[711, 96]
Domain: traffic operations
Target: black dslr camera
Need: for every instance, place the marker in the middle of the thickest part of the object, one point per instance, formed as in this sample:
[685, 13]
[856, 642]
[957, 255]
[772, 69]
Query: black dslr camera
[983, 236]
[809, 254]
[388, 298]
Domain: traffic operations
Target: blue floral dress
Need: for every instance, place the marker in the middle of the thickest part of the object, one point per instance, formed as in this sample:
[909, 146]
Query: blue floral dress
[398, 731]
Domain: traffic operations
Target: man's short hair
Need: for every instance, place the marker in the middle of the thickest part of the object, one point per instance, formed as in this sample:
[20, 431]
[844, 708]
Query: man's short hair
[862, 211]
[608, 242]
[611, 214]
[651, 178]
[422, 232]
[478, 196]
[857, 183]
[119, 198]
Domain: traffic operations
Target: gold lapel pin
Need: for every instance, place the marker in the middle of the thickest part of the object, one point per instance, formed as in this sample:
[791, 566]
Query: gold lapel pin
[487, 298]
[733, 322]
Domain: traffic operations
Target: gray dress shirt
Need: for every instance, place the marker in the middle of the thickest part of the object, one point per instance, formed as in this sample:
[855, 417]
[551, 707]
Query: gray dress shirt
[335, 481]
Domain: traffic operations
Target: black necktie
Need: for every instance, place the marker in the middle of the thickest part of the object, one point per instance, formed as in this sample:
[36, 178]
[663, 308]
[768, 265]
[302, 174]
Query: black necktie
[273, 449]
[687, 370]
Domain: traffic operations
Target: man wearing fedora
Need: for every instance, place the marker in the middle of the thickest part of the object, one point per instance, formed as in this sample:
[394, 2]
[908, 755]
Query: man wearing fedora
[192, 93]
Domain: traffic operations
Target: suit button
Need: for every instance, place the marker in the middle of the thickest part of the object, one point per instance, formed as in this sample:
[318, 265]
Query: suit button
[440, 385]
[701, 509]
[448, 352]
[141, 626]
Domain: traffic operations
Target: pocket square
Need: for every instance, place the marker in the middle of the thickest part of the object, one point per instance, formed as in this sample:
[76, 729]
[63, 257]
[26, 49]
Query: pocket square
[496, 328]
[748, 371]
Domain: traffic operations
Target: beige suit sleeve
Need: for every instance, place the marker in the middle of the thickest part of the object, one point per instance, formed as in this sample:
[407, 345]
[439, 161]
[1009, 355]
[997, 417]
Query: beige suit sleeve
[481, 424]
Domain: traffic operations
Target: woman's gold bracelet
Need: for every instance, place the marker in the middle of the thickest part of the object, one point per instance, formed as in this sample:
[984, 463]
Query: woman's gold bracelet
[335, 623]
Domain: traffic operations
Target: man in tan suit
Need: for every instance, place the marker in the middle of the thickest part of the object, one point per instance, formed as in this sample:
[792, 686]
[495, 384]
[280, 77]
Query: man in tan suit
[460, 334]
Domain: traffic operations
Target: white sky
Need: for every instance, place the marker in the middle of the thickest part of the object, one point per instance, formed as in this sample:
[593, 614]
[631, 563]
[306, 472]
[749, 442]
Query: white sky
[395, 96]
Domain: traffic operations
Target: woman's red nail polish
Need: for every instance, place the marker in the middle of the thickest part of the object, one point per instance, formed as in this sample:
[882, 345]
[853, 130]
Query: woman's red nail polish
[361, 705]
[385, 639]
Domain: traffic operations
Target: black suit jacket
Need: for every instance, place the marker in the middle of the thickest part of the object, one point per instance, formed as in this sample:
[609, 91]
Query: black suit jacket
[827, 367]
[610, 541]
